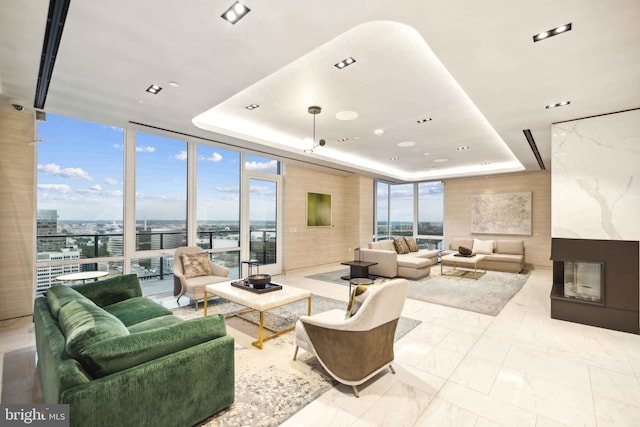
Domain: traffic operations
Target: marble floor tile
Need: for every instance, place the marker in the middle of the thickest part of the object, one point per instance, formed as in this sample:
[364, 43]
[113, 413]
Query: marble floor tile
[615, 385]
[321, 413]
[418, 379]
[544, 397]
[444, 414]
[399, 406]
[440, 361]
[490, 348]
[476, 374]
[614, 413]
[458, 341]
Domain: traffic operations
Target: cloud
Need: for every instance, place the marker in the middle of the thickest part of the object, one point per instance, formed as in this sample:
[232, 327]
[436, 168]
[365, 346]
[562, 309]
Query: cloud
[228, 189]
[215, 157]
[60, 188]
[54, 169]
[118, 146]
[261, 191]
[96, 187]
[262, 166]
[146, 149]
[110, 181]
[181, 155]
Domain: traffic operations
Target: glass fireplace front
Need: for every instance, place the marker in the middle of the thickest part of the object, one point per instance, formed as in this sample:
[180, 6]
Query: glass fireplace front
[583, 280]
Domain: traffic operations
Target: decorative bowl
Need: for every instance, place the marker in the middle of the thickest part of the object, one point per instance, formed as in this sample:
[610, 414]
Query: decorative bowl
[259, 281]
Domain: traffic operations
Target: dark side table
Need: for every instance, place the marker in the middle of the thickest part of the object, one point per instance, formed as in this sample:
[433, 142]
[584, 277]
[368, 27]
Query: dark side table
[357, 269]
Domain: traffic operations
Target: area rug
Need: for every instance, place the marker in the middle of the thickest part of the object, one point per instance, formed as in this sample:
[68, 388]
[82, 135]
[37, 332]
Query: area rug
[487, 295]
[270, 386]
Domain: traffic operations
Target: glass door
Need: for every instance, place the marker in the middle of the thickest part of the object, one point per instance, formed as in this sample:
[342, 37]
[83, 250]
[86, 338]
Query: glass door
[263, 242]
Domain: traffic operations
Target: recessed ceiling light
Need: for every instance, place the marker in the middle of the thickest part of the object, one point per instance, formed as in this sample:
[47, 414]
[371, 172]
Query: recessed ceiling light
[251, 106]
[395, 158]
[344, 63]
[154, 89]
[343, 139]
[466, 147]
[485, 163]
[558, 104]
[553, 32]
[346, 115]
[425, 120]
[406, 144]
[440, 160]
[378, 132]
[427, 154]
[174, 84]
[236, 12]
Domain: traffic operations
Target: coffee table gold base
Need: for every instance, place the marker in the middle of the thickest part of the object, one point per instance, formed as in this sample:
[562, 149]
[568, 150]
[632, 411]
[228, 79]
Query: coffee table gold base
[260, 324]
[475, 276]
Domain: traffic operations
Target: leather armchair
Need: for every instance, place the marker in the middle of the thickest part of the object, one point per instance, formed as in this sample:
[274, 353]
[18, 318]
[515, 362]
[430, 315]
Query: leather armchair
[354, 349]
[193, 287]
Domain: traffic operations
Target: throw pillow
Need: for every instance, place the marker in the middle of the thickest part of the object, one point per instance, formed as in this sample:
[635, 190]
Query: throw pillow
[483, 246]
[464, 251]
[194, 265]
[358, 295]
[411, 243]
[401, 245]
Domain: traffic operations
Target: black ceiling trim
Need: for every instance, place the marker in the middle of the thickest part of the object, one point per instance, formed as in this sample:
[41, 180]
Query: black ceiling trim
[596, 115]
[534, 147]
[235, 146]
[53, 34]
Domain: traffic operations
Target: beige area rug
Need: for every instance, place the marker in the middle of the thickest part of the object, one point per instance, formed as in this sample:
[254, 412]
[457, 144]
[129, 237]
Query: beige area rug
[270, 386]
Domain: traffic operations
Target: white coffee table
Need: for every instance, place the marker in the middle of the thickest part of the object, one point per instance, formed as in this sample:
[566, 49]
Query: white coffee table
[258, 302]
[459, 261]
[82, 276]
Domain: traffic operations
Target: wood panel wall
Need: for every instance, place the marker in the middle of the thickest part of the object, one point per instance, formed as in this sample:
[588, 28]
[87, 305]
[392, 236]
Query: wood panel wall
[352, 216]
[457, 210]
[17, 212]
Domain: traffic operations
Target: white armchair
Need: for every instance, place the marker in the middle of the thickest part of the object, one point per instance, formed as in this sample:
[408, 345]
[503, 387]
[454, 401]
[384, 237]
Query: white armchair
[354, 349]
[193, 286]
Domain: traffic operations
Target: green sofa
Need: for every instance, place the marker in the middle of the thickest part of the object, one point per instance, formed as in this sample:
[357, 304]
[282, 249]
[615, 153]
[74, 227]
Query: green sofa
[119, 359]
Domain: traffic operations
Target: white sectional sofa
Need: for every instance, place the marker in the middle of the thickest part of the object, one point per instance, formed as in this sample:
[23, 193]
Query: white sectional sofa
[414, 264]
[502, 255]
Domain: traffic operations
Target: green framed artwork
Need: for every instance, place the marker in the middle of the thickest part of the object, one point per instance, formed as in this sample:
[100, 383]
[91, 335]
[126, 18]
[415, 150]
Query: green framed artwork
[318, 210]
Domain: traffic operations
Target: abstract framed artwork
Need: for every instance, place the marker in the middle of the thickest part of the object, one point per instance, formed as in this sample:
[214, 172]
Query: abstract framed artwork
[318, 210]
[503, 213]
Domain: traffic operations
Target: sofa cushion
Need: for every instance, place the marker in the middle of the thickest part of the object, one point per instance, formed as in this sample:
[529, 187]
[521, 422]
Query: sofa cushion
[120, 353]
[60, 295]
[505, 258]
[413, 262]
[135, 310]
[483, 246]
[195, 265]
[155, 323]
[83, 323]
[460, 241]
[400, 245]
[411, 243]
[382, 245]
[111, 290]
[514, 247]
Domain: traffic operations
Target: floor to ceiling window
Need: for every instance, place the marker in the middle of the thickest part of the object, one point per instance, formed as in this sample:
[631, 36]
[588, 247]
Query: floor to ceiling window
[218, 206]
[89, 218]
[412, 209]
[80, 172]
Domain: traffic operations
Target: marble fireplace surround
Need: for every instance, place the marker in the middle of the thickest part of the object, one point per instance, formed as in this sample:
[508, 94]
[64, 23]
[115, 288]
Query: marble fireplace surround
[595, 184]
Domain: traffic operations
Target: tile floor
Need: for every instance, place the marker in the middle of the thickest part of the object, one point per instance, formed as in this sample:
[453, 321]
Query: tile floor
[457, 368]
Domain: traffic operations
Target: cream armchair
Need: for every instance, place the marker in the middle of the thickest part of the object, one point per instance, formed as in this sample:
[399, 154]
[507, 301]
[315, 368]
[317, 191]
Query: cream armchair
[190, 285]
[354, 349]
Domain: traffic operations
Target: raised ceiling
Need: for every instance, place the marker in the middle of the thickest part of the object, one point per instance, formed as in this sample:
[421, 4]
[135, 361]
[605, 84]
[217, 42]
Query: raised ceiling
[472, 67]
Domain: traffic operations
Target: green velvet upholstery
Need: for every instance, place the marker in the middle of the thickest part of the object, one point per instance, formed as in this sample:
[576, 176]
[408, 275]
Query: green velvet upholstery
[111, 290]
[117, 354]
[137, 309]
[59, 296]
[155, 323]
[161, 371]
[83, 323]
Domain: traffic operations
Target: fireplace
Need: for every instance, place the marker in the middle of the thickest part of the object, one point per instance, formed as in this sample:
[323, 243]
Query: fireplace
[596, 282]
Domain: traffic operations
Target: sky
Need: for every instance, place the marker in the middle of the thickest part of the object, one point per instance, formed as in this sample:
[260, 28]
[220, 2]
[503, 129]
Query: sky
[80, 174]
